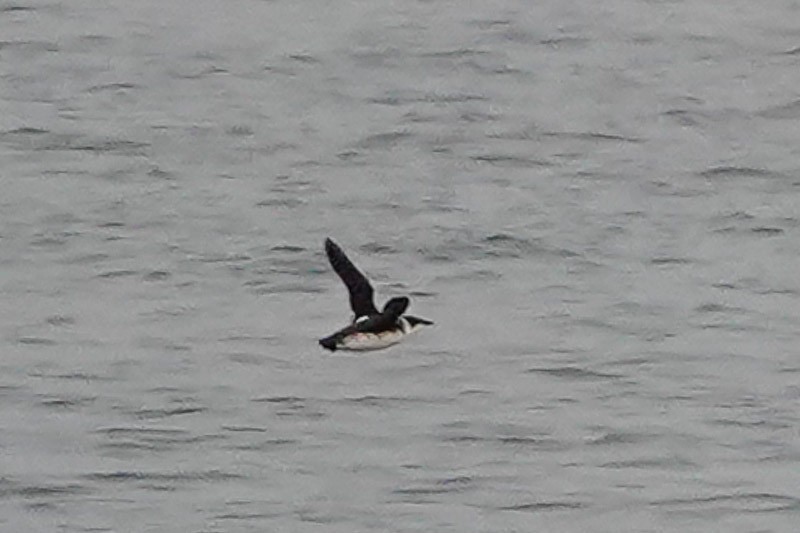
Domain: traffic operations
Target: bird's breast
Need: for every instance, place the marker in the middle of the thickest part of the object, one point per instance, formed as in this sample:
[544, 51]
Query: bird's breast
[371, 341]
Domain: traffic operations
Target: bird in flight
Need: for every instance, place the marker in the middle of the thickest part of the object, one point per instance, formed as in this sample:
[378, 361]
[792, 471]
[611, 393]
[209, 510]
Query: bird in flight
[370, 329]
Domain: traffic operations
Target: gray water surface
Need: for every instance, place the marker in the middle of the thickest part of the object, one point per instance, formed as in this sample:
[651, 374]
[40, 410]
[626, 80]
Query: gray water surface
[597, 202]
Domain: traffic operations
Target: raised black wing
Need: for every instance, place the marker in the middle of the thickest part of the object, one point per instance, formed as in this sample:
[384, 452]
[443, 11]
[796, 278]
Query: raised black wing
[395, 307]
[357, 285]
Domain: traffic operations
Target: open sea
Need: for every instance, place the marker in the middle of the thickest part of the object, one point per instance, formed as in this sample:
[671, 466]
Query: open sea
[598, 203]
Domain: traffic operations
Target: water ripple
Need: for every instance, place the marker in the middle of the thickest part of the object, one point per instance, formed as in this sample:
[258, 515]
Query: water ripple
[574, 373]
[535, 507]
[127, 476]
[752, 502]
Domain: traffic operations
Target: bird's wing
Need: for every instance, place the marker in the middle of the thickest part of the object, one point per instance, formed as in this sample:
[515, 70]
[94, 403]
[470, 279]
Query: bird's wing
[357, 285]
[395, 307]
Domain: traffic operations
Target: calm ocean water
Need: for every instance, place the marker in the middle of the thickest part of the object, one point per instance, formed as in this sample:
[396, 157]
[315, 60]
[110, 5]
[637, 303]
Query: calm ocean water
[596, 202]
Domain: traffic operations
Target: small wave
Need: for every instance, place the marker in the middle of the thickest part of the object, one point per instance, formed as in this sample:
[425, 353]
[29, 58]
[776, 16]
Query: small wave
[43, 491]
[168, 412]
[473, 275]
[221, 258]
[244, 358]
[288, 248]
[683, 117]
[464, 438]
[595, 136]
[26, 131]
[740, 502]
[290, 288]
[508, 160]
[78, 376]
[113, 274]
[574, 373]
[67, 402]
[374, 247]
[427, 98]
[718, 308]
[614, 438]
[157, 275]
[738, 172]
[113, 146]
[767, 231]
[384, 140]
[13, 8]
[240, 130]
[543, 506]
[456, 53]
[306, 59]
[246, 516]
[375, 400]
[293, 400]
[32, 46]
[788, 111]
[121, 86]
[667, 463]
[245, 429]
[495, 245]
[667, 260]
[289, 203]
[145, 430]
[264, 445]
[124, 476]
[36, 341]
[541, 443]
[566, 42]
[422, 491]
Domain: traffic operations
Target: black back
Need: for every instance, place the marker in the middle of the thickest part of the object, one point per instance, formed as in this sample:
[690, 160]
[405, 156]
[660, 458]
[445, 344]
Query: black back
[357, 285]
[378, 323]
[373, 324]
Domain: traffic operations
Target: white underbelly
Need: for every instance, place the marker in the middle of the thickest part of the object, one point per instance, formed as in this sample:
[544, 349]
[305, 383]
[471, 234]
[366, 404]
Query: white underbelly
[371, 341]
